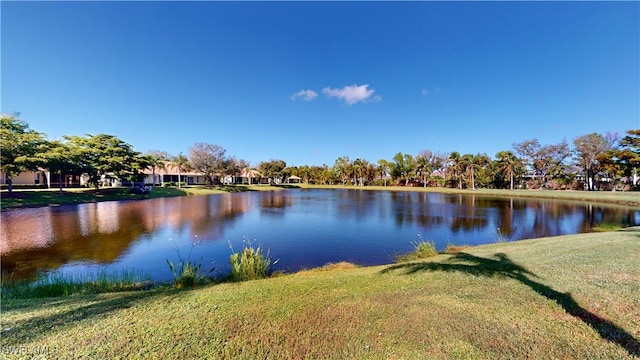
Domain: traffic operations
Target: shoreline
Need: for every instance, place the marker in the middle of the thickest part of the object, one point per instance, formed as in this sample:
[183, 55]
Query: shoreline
[503, 300]
[21, 199]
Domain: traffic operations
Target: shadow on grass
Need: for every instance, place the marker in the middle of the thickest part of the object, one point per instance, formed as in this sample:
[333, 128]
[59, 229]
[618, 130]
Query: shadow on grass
[82, 308]
[502, 266]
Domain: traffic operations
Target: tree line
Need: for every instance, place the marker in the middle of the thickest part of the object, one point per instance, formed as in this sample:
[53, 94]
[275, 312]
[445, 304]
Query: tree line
[604, 160]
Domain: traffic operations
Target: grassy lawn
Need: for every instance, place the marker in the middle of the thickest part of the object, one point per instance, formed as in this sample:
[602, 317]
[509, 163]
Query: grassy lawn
[569, 297]
[52, 197]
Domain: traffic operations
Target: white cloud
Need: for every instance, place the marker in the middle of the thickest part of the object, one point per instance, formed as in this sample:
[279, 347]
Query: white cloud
[306, 95]
[426, 92]
[353, 94]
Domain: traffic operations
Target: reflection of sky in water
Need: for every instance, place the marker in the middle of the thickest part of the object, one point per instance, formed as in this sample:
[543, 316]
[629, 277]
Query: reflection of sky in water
[301, 228]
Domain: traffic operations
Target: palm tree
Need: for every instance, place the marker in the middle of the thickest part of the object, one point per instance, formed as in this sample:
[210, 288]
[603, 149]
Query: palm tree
[456, 167]
[423, 165]
[383, 169]
[473, 162]
[358, 165]
[157, 159]
[182, 163]
[508, 165]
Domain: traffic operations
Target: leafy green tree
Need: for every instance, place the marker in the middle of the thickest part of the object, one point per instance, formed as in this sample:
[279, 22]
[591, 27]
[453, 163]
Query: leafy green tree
[324, 174]
[272, 169]
[305, 172]
[208, 160]
[343, 169]
[623, 160]
[628, 156]
[18, 147]
[55, 156]
[233, 167]
[103, 155]
[402, 167]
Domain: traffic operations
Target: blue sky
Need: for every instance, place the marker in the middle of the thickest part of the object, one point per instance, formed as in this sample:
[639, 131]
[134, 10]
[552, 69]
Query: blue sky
[308, 82]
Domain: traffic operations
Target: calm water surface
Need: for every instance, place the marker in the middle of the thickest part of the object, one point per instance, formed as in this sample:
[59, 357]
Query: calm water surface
[301, 228]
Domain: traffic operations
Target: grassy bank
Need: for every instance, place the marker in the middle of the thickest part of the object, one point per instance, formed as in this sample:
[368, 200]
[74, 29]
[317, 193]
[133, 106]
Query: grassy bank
[52, 197]
[570, 297]
[630, 198]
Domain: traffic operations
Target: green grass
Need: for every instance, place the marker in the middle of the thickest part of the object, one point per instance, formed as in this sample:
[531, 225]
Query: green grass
[569, 297]
[603, 227]
[56, 285]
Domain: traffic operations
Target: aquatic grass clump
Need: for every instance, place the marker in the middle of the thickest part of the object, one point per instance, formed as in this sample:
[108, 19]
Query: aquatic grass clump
[57, 284]
[187, 273]
[421, 250]
[249, 264]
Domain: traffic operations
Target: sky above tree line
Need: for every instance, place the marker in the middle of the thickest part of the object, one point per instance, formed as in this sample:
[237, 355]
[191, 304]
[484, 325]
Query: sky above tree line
[308, 82]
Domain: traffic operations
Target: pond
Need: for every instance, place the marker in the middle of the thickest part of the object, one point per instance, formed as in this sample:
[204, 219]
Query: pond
[302, 228]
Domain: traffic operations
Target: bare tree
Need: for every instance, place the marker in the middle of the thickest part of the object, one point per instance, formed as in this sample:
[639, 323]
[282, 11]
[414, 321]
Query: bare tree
[542, 160]
[208, 160]
[587, 149]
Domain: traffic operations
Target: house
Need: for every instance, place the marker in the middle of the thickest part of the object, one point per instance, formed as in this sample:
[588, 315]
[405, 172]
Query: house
[43, 178]
[169, 173]
[25, 178]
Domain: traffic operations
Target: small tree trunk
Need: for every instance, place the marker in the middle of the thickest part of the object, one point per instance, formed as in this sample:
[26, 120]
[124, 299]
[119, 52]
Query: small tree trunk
[473, 179]
[60, 181]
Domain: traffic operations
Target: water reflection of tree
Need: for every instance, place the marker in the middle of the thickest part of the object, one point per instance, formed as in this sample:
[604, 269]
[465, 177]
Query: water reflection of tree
[88, 236]
[358, 204]
[273, 202]
[210, 215]
[465, 217]
[101, 232]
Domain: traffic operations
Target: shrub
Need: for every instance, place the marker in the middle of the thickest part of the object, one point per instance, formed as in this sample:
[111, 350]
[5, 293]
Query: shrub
[421, 250]
[249, 264]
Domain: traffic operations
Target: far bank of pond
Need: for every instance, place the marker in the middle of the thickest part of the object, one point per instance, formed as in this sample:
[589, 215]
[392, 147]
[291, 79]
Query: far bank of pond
[303, 228]
[52, 197]
[628, 198]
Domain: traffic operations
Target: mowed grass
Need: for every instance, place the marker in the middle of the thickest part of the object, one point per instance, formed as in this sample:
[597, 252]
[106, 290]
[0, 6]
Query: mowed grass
[569, 297]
